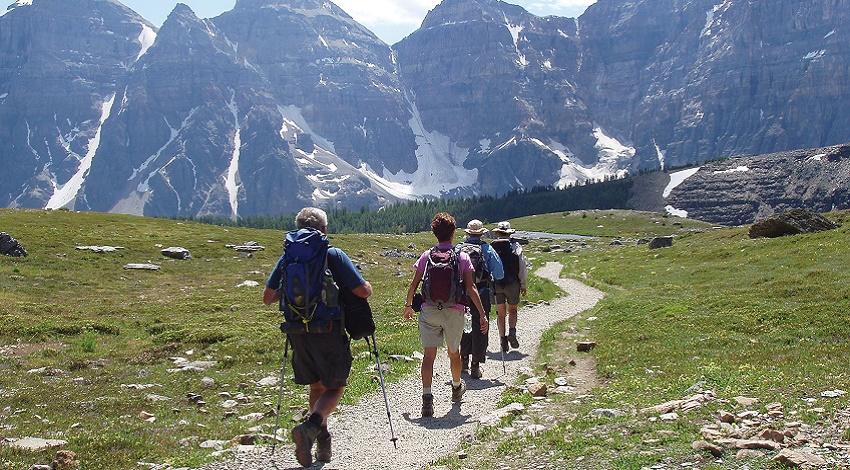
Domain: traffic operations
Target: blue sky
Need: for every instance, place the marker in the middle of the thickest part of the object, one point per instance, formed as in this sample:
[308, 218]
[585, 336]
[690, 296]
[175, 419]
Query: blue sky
[391, 20]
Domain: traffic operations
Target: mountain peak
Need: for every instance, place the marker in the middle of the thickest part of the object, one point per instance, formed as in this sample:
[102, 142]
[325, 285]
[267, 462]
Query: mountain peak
[468, 11]
[292, 5]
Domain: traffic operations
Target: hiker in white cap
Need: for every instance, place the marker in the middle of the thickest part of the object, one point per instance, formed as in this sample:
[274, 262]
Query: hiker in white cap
[488, 268]
[514, 283]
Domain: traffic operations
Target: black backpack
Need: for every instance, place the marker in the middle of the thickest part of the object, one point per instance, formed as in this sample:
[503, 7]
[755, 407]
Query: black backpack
[510, 260]
[356, 315]
[476, 254]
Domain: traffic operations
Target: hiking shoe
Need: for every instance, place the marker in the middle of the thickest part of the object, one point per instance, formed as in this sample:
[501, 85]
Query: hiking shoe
[303, 436]
[476, 371]
[427, 405]
[505, 347]
[457, 392]
[323, 447]
[464, 367]
[512, 339]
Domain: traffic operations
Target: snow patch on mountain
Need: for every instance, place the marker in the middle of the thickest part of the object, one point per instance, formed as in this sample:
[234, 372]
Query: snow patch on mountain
[146, 38]
[572, 171]
[739, 169]
[293, 122]
[66, 193]
[19, 3]
[440, 166]
[231, 181]
[174, 134]
[515, 31]
[676, 179]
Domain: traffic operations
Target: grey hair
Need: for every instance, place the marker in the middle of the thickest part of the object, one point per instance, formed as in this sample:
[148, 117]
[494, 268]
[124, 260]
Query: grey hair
[311, 217]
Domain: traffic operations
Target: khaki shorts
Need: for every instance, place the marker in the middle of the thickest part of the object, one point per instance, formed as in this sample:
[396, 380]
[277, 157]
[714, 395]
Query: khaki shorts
[436, 325]
[509, 292]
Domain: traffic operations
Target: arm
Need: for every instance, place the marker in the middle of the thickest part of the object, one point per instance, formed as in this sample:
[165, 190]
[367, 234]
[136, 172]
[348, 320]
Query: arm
[472, 292]
[411, 291]
[523, 270]
[364, 290]
[270, 295]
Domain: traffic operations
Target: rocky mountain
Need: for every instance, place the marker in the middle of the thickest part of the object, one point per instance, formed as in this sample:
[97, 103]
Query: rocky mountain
[280, 103]
[749, 189]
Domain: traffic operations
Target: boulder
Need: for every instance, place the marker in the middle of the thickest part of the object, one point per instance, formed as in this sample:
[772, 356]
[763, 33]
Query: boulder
[793, 222]
[660, 242]
[176, 252]
[10, 247]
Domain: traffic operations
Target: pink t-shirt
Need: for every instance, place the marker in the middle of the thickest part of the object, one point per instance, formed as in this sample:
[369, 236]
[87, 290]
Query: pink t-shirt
[465, 266]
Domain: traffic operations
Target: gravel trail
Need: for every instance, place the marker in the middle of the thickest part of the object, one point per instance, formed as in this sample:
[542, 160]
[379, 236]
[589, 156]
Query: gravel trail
[361, 436]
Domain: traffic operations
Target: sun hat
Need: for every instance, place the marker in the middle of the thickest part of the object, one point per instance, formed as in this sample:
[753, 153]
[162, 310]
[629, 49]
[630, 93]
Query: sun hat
[475, 228]
[504, 227]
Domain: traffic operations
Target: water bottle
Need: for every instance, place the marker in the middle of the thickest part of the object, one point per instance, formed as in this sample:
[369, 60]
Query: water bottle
[467, 325]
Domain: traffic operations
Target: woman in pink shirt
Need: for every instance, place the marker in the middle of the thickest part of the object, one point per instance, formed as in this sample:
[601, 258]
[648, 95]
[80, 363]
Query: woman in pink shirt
[443, 321]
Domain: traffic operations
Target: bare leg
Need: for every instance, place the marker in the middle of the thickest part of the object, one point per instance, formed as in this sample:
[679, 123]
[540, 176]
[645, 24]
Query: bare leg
[501, 309]
[324, 400]
[455, 364]
[428, 366]
[512, 316]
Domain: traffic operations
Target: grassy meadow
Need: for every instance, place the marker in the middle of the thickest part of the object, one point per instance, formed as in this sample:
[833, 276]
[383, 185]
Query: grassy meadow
[758, 318]
[763, 318]
[86, 346]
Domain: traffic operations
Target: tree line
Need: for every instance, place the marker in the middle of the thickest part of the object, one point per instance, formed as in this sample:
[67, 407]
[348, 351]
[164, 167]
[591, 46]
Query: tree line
[415, 216]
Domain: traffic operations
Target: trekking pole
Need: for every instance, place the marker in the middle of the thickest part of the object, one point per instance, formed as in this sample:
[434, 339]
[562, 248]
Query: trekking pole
[280, 393]
[393, 439]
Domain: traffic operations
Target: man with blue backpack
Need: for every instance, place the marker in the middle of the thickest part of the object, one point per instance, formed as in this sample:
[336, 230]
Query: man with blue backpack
[488, 268]
[447, 279]
[306, 282]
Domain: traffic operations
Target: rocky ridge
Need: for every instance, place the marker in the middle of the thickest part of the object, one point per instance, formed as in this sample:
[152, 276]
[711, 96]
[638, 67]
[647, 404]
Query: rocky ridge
[274, 105]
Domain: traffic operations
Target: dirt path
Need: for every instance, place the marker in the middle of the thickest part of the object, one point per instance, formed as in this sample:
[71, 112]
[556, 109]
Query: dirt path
[361, 437]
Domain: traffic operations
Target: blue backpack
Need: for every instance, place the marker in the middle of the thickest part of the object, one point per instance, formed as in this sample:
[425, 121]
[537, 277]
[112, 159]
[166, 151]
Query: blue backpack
[309, 297]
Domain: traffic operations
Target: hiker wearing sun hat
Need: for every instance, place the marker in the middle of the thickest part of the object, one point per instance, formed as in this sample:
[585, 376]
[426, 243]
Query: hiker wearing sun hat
[514, 283]
[488, 267]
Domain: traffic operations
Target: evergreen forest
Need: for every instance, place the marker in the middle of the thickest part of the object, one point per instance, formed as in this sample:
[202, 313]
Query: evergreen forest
[415, 216]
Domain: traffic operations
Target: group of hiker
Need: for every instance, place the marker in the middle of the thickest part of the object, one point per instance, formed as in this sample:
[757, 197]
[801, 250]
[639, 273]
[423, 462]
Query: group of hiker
[459, 284]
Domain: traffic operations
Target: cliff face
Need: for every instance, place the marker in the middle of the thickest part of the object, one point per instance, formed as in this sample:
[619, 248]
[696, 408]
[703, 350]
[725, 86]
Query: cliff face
[699, 80]
[750, 189]
[59, 63]
[277, 104]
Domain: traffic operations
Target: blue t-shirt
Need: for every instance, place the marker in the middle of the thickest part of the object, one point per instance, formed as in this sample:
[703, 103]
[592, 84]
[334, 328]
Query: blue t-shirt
[343, 270]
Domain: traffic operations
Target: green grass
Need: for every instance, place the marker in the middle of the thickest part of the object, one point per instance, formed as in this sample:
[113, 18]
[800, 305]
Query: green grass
[762, 318]
[611, 223]
[121, 327]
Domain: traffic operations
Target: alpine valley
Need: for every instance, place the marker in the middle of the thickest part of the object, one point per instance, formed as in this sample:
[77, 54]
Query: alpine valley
[281, 103]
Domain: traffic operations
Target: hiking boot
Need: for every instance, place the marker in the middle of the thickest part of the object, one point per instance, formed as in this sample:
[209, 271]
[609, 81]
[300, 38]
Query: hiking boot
[427, 405]
[323, 446]
[464, 365]
[457, 392]
[476, 371]
[303, 436]
[512, 338]
[505, 347]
